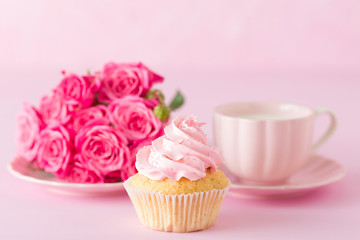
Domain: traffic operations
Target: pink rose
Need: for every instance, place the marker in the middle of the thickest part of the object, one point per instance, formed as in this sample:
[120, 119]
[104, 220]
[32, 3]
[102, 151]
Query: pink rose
[102, 147]
[119, 80]
[72, 94]
[78, 172]
[88, 115]
[128, 172]
[29, 125]
[135, 146]
[77, 91]
[132, 116]
[55, 149]
[125, 172]
[120, 175]
[54, 110]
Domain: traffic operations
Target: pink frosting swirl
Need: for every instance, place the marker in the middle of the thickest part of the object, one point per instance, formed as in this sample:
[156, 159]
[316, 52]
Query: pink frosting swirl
[181, 152]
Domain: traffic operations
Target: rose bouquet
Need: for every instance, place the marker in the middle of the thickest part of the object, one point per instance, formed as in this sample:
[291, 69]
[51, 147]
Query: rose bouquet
[90, 127]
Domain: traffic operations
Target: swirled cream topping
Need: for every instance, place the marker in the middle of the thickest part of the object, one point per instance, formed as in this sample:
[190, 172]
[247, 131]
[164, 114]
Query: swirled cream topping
[181, 152]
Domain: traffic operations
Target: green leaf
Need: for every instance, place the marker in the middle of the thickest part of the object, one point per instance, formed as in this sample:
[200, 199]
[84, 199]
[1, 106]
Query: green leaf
[177, 101]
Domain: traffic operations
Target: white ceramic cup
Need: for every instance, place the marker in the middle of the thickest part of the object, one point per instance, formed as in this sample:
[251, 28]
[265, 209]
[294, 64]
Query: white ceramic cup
[264, 142]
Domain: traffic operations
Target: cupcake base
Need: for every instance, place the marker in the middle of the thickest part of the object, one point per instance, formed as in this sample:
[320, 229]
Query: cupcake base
[176, 213]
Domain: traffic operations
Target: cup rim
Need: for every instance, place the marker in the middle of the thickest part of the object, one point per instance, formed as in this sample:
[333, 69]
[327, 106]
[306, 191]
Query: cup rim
[216, 110]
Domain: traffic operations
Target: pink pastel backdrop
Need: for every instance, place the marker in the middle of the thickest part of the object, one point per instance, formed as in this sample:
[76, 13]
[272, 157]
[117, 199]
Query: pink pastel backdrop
[214, 51]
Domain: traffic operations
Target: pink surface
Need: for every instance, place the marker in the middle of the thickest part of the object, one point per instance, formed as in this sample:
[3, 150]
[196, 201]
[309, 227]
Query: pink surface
[216, 52]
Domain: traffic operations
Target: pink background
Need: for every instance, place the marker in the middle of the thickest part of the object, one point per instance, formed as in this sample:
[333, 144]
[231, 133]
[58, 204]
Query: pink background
[214, 51]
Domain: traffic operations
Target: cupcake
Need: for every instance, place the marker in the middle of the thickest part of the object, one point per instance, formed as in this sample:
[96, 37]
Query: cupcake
[178, 187]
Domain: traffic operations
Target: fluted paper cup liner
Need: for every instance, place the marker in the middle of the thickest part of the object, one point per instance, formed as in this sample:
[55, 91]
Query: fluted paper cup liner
[176, 213]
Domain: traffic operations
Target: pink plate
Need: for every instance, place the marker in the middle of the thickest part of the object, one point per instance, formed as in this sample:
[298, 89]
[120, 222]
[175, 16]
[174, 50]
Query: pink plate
[24, 170]
[321, 171]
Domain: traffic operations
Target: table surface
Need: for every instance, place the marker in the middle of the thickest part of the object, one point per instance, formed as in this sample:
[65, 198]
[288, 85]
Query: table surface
[28, 211]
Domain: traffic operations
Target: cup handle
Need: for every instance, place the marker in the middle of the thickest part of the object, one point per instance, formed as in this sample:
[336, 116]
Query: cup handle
[330, 129]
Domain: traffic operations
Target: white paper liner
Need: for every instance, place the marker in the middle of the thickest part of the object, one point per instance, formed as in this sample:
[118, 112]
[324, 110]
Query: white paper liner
[176, 213]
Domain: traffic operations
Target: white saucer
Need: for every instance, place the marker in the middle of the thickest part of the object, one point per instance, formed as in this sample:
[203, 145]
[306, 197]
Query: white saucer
[22, 169]
[320, 172]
